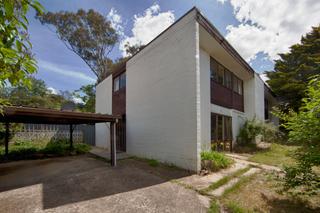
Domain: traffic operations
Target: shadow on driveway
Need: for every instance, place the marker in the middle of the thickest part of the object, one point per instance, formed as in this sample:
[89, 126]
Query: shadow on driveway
[70, 180]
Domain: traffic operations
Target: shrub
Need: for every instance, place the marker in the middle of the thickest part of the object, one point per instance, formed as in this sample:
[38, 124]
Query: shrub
[252, 128]
[214, 161]
[304, 128]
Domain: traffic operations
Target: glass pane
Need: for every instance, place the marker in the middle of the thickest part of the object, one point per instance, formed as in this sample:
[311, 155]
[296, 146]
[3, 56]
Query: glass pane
[240, 86]
[213, 127]
[116, 84]
[227, 79]
[227, 128]
[220, 128]
[213, 69]
[123, 80]
[235, 84]
[220, 74]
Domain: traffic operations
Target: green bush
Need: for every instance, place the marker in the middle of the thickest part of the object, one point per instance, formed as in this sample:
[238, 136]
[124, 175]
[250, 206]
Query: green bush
[40, 149]
[304, 128]
[214, 161]
[252, 128]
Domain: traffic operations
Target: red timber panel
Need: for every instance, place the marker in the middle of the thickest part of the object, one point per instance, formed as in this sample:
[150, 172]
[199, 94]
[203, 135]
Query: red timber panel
[221, 95]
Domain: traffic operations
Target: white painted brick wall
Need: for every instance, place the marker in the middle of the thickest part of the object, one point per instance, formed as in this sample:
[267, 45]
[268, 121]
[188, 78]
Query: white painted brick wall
[161, 98]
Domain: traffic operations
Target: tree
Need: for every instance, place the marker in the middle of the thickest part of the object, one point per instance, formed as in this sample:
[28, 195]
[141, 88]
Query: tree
[292, 71]
[132, 50]
[87, 94]
[16, 60]
[88, 34]
[34, 95]
[304, 128]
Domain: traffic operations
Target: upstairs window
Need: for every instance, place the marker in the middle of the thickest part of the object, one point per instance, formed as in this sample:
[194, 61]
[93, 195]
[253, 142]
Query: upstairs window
[119, 82]
[213, 69]
[227, 79]
[237, 85]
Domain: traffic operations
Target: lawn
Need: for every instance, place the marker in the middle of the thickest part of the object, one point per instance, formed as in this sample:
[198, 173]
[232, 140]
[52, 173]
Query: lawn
[277, 155]
[260, 193]
[21, 150]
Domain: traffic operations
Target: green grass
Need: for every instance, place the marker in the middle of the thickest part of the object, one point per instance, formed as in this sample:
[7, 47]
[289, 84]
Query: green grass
[226, 179]
[214, 207]
[277, 155]
[21, 150]
[153, 162]
[218, 160]
[242, 181]
[234, 207]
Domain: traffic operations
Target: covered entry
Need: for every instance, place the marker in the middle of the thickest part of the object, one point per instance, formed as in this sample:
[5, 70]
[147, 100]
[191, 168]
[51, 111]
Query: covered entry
[14, 114]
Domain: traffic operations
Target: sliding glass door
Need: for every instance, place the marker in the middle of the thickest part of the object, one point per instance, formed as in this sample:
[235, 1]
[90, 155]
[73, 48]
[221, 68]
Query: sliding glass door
[221, 132]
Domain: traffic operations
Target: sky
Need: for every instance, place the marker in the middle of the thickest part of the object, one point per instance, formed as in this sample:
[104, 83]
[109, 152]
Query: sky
[258, 30]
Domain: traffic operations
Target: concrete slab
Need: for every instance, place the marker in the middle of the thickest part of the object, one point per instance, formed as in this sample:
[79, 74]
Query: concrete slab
[201, 182]
[86, 184]
[105, 153]
[219, 191]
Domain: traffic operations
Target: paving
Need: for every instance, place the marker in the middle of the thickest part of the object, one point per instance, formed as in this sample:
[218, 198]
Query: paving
[87, 184]
[202, 182]
[219, 191]
[105, 153]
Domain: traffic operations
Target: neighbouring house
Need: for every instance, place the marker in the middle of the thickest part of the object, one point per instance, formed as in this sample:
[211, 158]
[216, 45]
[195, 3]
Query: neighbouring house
[184, 90]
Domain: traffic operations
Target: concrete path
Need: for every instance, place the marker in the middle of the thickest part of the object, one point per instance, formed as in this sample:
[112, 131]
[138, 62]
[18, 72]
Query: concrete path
[202, 182]
[244, 159]
[105, 153]
[219, 191]
[86, 184]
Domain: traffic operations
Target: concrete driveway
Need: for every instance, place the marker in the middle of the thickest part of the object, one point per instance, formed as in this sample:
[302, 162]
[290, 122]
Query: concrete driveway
[87, 184]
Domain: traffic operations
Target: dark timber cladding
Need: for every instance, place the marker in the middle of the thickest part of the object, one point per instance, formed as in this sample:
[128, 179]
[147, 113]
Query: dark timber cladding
[13, 114]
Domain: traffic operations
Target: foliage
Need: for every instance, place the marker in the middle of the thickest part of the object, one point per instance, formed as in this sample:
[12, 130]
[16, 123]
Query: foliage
[253, 128]
[36, 95]
[292, 71]
[304, 128]
[16, 60]
[20, 150]
[88, 34]
[87, 94]
[132, 50]
[217, 160]
[14, 127]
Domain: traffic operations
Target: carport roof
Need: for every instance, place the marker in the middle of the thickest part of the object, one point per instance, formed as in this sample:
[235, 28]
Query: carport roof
[18, 114]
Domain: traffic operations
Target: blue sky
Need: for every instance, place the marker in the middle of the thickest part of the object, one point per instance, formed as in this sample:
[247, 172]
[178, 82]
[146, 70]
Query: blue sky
[62, 69]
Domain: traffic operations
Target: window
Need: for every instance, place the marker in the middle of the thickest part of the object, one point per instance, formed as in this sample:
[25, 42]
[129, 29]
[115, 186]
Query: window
[119, 82]
[220, 74]
[122, 80]
[221, 128]
[213, 69]
[237, 85]
[116, 83]
[227, 79]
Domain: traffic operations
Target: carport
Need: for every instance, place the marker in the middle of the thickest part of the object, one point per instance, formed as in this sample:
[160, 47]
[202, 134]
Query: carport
[18, 114]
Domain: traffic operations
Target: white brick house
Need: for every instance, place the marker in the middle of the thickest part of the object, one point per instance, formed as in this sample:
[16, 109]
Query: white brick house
[186, 88]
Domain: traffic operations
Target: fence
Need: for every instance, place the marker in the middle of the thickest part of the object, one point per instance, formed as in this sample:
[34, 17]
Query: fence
[81, 133]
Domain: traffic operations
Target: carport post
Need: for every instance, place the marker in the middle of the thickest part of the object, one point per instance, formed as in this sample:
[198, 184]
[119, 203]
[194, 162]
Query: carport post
[6, 140]
[71, 138]
[113, 144]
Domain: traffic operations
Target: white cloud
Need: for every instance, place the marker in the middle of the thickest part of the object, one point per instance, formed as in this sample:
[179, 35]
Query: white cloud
[147, 26]
[116, 21]
[271, 26]
[53, 91]
[67, 72]
[221, 1]
[77, 100]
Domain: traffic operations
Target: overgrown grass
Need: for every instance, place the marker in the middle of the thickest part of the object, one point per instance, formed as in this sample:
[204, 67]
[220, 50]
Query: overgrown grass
[217, 160]
[214, 207]
[21, 150]
[226, 179]
[153, 162]
[276, 155]
[234, 207]
[242, 181]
